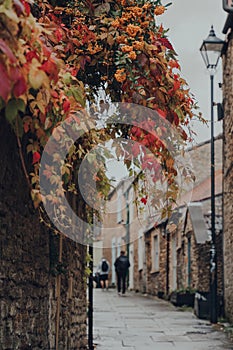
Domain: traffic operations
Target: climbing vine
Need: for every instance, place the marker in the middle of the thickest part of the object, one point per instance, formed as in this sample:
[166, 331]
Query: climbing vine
[56, 55]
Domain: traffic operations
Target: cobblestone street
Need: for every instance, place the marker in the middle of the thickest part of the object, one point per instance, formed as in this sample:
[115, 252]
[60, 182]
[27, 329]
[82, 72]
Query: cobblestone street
[136, 322]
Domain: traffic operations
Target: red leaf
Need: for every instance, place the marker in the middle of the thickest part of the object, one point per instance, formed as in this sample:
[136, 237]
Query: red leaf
[184, 135]
[7, 51]
[165, 42]
[42, 118]
[54, 94]
[51, 69]
[144, 200]
[74, 72]
[30, 55]
[161, 113]
[15, 74]
[136, 131]
[172, 117]
[35, 157]
[151, 139]
[26, 127]
[176, 119]
[27, 7]
[144, 142]
[47, 51]
[5, 86]
[174, 64]
[176, 85]
[58, 34]
[135, 149]
[66, 105]
[20, 87]
[82, 61]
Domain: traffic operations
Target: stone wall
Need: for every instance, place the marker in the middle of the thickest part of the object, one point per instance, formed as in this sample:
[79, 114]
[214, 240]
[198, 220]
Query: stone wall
[200, 260]
[28, 288]
[228, 176]
[200, 158]
[73, 308]
[24, 281]
[156, 280]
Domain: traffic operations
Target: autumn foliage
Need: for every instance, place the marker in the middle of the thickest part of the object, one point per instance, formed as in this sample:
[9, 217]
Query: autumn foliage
[55, 55]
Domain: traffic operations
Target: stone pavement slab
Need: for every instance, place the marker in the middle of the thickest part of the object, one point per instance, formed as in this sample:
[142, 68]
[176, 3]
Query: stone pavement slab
[137, 322]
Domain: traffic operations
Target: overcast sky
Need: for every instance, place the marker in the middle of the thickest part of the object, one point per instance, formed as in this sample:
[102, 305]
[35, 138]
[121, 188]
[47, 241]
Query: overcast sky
[189, 22]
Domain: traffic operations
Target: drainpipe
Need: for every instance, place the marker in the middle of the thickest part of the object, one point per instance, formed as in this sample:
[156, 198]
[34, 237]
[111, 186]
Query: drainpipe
[127, 237]
[127, 228]
[168, 263]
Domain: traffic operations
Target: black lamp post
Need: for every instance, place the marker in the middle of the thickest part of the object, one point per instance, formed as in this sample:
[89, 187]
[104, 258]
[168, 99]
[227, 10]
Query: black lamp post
[90, 300]
[211, 49]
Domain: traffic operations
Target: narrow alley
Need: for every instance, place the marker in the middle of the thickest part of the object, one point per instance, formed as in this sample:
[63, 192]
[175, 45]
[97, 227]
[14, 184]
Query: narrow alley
[136, 322]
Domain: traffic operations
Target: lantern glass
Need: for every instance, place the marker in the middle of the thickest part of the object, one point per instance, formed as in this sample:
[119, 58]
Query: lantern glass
[211, 50]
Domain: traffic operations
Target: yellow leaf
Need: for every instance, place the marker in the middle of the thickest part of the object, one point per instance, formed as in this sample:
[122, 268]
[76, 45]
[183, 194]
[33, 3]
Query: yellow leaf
[65, 170]
[9, 13]
[56, 157]
[41, 106]
[30, 148]
[36, 76]
[103, 36]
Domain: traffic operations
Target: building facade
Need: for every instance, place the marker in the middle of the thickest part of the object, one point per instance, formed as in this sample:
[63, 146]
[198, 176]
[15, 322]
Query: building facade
[173, 254]
[228, 165]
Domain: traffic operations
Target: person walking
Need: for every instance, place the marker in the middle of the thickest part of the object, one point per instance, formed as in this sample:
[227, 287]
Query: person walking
[122, 265]
[103, 270]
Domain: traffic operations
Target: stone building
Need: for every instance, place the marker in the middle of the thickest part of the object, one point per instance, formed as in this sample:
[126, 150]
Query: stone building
[178, 251]
[42, 287]
[122, 228]
[175, 249]
[227, 85]
[157, 253]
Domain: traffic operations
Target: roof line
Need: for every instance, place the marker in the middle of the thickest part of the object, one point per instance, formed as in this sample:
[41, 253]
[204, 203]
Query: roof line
[218, 137]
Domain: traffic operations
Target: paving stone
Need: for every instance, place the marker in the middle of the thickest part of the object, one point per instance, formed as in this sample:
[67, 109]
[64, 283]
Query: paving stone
[137, 322]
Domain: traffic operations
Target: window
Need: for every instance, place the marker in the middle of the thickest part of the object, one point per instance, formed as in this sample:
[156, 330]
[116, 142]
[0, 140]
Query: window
[174, 263]
[189, 262]
[114, 251]
[155, 250]
[140, 253]
[131, 204]
[119, 206]
[118, 246]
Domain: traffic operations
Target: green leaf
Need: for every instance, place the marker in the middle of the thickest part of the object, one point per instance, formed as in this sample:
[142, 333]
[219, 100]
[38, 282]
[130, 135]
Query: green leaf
[78, 95]
[13, 107]
[11, 110]
[21, 105]
[67, 78]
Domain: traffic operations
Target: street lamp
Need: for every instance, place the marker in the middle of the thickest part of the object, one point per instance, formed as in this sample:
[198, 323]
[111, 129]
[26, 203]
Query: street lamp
[211, 49]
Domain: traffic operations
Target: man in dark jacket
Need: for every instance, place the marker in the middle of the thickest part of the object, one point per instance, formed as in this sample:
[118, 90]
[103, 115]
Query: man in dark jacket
[122, 265]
